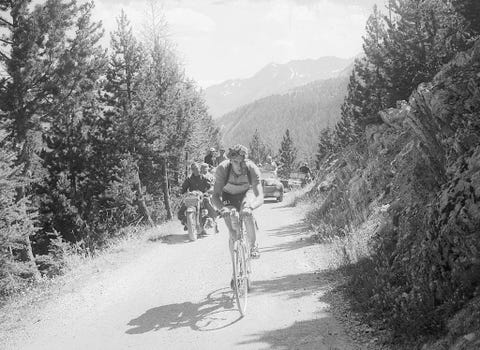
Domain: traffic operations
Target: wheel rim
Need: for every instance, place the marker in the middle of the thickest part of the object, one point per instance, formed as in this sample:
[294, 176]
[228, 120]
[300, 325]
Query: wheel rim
[240, 279]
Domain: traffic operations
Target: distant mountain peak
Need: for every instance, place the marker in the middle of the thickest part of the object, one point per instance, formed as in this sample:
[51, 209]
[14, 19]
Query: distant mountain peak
[274, 78]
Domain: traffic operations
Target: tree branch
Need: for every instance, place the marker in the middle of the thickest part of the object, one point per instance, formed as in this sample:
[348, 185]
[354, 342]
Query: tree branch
[4, 57]
[6, 41]
[4, 21]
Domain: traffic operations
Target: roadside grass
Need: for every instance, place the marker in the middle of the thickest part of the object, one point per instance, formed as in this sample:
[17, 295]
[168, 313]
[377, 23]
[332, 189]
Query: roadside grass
[299, 196]
[348, 232]
[77, 266]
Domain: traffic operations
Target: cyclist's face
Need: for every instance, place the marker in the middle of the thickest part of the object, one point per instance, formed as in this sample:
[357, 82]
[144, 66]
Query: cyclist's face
[237, 163]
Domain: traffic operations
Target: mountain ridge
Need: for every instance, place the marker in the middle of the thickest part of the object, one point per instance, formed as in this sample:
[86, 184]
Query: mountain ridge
[304, 110]
[272, 79]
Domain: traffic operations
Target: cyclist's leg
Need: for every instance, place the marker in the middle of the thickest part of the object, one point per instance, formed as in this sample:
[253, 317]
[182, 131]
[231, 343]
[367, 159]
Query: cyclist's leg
[182, 215]
[232, 233]
[208, 205]
[250, 225]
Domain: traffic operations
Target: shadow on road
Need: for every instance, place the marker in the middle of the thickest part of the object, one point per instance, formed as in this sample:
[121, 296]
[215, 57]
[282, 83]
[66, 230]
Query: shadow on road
[296, 230]
[286, 246]
[320, 333]
[177, 238]
[295, 286]
[217, 311]
[317, 334]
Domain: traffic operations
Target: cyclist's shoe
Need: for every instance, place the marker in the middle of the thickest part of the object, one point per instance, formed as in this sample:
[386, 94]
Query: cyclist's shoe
[254, 253]
[249, 285]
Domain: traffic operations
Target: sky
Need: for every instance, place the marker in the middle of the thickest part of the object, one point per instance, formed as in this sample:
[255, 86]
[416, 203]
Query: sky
[217, 40]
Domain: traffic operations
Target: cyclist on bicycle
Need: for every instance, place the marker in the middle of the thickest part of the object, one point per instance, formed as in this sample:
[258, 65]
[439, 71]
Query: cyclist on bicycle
[196, 182]
[238, 185]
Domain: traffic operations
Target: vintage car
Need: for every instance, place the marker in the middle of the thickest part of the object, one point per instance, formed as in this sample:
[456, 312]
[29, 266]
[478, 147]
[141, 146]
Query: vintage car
[272, 187]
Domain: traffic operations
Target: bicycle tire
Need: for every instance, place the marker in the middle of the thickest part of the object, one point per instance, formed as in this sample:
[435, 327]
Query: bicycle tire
[192, 226]
[240, 272]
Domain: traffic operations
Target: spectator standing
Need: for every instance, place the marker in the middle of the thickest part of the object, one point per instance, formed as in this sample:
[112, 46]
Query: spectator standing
[270, 165]
[209, 158]
[222, 157]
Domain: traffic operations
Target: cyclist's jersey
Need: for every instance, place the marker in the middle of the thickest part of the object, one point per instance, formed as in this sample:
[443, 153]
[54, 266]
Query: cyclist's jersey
[236, 184]
[196, 183]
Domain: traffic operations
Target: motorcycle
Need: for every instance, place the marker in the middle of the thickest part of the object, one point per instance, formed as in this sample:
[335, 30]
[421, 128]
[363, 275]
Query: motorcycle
[306, 179]
[197, 214]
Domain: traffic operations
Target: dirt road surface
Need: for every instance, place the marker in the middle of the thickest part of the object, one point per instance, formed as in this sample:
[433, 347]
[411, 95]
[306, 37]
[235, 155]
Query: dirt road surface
[176, 295]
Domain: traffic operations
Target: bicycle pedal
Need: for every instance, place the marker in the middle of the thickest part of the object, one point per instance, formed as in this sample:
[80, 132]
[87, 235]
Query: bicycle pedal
[254, 255]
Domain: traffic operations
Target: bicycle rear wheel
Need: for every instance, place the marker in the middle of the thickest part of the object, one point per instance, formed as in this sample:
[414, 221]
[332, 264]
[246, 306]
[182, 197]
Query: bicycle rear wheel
[240, 271]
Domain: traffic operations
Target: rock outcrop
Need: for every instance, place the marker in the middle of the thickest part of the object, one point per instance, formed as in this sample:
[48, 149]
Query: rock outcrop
[423, 164]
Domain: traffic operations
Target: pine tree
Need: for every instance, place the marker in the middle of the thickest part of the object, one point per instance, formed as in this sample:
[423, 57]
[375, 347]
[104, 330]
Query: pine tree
[287, 155]
[43, 54]
[258, 149]
[16, 224]
[470, 10]
[327, 145]
[422, 36]
[359, 109]
[78, 140]
[126, 60]
[125, 64]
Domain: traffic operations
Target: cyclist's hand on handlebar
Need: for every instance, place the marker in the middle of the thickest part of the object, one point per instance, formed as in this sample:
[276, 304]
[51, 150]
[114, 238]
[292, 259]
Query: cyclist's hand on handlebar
[246, 211]
[224, 212]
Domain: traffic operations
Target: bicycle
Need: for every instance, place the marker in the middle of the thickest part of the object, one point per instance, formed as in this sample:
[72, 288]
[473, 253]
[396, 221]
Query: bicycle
[241, 261]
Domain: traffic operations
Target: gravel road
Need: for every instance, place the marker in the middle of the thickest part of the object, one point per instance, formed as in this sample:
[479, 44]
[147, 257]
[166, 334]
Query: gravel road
[176, 295]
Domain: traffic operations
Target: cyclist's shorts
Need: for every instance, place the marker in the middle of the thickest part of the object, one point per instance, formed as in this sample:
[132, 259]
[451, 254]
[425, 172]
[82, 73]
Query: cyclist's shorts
[237, 200]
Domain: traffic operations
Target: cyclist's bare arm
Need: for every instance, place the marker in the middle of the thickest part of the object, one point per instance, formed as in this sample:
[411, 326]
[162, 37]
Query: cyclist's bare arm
[258, 200]
[218, 188]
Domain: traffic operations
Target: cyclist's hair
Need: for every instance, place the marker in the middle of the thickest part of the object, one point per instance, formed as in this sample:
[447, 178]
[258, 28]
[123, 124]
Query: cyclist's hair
[238, 150]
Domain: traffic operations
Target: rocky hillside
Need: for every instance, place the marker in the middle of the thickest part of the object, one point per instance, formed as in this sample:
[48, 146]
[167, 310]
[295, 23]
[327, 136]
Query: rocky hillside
[305, 111]
[272, 79]
[418, 181]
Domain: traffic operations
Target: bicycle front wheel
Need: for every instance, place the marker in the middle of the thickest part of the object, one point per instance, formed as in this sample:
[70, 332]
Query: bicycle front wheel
[240, 271]
[191, 226]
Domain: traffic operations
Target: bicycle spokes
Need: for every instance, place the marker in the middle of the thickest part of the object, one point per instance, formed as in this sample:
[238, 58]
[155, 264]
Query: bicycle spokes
[241, 278]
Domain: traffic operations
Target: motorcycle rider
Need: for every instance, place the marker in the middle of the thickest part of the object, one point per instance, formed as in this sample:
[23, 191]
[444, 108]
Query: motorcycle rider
[304, 169]
[237, 184]
[196, 182]
[205, 171]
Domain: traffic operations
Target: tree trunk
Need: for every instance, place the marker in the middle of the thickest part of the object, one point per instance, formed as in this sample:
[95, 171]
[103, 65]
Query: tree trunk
[186, 164]
[142, 207]
[166, 195]
[27, 252]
